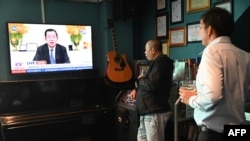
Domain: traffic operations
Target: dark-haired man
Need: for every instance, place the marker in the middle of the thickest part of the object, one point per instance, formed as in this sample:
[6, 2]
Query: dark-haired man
[152, 94]
[51, 52]
[222, 79]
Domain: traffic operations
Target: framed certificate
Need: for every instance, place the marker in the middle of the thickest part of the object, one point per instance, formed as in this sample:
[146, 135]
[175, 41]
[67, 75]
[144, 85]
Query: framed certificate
[193, 34]
[161, 25]
[177, 11]
[161, 5]
[177, 36]
[197, 5]
[228, 5]
[165, 47]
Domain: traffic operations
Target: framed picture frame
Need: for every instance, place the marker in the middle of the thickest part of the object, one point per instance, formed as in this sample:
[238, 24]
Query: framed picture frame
[143, 69]
[136, 68]
[176, 11]
[177, 36]
[161, 5]
[228, 5]
[193, 30]
[161, 25]
[165, 47]
[197, 5]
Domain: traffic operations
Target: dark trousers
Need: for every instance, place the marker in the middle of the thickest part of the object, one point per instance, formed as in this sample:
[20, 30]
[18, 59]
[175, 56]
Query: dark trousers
[206, 134]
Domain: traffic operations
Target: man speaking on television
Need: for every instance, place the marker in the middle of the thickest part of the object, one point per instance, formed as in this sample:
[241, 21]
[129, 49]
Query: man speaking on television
[51, 52]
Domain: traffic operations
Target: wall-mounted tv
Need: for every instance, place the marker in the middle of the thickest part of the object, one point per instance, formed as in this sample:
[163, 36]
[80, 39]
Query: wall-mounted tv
[40, 48]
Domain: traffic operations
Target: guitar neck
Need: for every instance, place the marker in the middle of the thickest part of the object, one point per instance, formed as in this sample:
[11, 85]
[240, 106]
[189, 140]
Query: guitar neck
[111, 25]
[114, 41]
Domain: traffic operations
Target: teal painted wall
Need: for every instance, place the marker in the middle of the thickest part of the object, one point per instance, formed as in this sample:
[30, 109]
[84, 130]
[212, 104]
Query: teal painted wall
[146, 27]
[131, 33]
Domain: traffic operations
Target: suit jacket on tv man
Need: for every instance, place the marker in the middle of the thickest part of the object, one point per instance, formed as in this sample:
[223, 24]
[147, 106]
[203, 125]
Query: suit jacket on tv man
[61, 55]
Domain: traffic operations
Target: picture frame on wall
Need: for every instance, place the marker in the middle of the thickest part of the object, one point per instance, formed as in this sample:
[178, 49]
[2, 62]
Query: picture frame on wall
[161, 25]
[138, 65]
[193, 30]
[143, 69]
[197, 5]
[176, 11]
[161, 5]
[165, 47]
[228, 5]
[177, 36]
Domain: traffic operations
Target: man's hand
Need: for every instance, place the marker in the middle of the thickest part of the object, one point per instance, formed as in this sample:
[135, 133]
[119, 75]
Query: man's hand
[185, 93]
[140, 76]
[133, 94]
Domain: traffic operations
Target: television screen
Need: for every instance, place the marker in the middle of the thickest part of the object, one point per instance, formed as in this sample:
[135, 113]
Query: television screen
[39, 48]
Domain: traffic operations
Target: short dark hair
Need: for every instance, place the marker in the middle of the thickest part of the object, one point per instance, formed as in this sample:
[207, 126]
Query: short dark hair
[156, 44]
[220, 19]
[48, 30]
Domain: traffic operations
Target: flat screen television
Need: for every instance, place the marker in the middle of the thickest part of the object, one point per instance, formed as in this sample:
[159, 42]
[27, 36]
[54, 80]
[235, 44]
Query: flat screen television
[29, 49]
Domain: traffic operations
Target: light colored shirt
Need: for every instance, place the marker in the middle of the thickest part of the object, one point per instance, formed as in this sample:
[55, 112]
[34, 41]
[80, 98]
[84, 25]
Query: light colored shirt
[54, 50]
[222, 85]
[52, 53]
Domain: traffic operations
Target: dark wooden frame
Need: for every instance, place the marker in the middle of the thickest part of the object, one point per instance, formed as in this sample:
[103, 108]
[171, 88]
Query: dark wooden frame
[191, 8]
[195, 33]
[165, 47]
[160, 6]
[137, 65]
[162, 25]
[178, 13]
[143, 68]
[227, 4]
[173, 33]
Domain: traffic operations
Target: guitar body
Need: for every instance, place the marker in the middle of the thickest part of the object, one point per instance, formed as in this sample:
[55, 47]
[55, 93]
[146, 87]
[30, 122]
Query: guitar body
[118, 69]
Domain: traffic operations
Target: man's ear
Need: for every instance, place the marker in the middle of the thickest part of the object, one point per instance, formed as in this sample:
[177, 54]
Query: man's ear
[153, 50]
[210, 30]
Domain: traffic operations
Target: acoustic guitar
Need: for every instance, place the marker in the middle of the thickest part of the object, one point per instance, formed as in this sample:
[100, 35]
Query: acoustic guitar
[118, 69]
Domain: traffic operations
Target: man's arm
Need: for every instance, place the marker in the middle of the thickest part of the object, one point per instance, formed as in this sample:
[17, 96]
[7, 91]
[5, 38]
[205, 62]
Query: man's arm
[65, 56]
[62, 55]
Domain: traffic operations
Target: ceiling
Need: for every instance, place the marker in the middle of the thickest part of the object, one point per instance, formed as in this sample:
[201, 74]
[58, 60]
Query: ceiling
[94, 1]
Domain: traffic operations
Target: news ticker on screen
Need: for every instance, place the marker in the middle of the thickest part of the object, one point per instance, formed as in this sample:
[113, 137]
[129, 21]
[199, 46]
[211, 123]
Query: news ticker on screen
[239, 132]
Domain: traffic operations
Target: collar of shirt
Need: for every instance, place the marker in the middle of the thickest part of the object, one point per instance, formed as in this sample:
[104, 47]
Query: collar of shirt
[54, 50]
[221, 39]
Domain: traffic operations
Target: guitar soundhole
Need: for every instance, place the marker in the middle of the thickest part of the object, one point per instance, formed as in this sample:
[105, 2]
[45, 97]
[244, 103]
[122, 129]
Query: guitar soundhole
[117, 59]
[120, 61]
